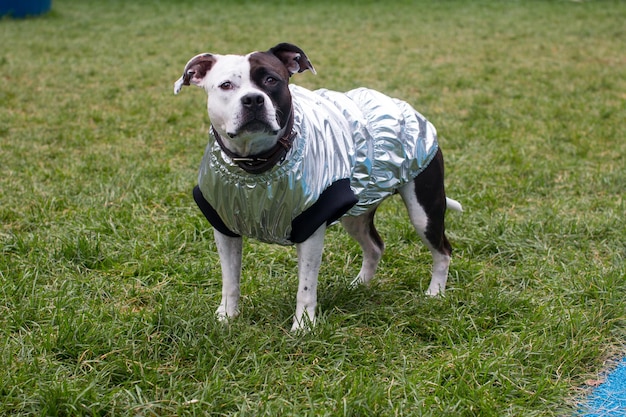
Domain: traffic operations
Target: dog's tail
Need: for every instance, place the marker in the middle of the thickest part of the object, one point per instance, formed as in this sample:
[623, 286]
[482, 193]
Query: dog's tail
[453, 204]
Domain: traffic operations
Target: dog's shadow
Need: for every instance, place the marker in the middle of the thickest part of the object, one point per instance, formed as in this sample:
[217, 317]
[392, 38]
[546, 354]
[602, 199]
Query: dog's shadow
[379, 305]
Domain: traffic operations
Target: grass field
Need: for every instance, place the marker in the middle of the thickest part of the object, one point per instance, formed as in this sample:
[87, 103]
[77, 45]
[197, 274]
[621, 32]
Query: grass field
[109, 276]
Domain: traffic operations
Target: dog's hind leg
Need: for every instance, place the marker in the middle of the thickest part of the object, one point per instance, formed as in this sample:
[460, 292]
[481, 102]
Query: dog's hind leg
[362, 229]
[425, 200]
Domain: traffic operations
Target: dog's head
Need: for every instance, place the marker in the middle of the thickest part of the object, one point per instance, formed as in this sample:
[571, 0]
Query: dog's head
[249, 102]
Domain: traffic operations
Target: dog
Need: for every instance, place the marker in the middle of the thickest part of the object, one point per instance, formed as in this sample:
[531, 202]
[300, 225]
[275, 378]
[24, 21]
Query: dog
[283, 163]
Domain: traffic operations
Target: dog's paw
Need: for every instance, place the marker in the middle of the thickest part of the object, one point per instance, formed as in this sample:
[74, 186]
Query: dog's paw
[356, 282]
[434, 292]
[360, 280]
[303, 325]
[224, 315]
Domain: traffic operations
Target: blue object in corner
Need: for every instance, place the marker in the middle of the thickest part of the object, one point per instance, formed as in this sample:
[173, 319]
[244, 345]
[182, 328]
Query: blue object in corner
[609, 399]
[24, 8]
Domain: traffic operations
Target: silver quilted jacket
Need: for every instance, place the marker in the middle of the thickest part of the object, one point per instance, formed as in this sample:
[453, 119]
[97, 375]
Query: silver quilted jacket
[377, 142]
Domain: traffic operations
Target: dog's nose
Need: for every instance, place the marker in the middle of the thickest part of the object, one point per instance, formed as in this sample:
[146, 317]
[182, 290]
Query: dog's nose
[253, 101]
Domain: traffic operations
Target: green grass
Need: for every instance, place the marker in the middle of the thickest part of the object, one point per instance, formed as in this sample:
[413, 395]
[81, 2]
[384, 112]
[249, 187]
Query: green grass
[109, 277]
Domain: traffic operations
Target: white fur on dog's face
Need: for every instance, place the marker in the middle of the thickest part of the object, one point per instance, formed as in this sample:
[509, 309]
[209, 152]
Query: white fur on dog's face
[249, 101]
[227, 83]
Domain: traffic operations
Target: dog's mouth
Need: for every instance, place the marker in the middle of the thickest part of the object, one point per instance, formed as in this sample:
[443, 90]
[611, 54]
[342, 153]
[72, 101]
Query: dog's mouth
[254, 126]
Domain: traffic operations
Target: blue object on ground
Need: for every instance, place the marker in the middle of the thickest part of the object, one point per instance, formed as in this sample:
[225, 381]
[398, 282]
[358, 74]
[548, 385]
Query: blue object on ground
[609, 398]
[24, 8]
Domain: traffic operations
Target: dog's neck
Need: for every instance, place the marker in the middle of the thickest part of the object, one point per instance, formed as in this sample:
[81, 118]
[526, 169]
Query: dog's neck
[264, 161]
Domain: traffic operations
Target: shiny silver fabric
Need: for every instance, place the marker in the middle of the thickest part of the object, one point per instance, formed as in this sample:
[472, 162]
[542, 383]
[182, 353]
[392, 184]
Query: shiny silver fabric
[378, 142]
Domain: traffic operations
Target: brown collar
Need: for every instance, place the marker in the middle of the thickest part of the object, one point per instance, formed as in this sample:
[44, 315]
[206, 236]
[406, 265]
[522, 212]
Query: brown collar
[259, 163]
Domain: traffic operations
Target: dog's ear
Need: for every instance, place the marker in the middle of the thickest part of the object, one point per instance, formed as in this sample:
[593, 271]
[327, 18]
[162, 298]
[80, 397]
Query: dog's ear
[294, 58]
[195, 71]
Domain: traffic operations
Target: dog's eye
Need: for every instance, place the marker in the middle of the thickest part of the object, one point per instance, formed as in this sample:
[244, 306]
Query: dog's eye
[271, 81]
[226, 85]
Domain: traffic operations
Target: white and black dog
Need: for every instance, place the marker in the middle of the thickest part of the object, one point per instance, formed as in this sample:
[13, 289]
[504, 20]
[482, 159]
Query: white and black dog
[284, 162]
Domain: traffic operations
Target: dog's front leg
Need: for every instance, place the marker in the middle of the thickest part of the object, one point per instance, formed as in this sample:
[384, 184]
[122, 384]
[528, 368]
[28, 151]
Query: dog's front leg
[229, 250]
[309, 261]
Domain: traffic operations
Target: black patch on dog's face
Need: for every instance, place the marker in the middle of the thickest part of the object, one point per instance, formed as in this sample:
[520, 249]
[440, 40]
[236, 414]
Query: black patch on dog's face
[270, 75]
